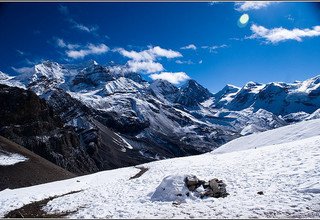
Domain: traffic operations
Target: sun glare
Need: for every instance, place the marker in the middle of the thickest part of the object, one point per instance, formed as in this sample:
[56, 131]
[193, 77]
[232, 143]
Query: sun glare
[244, 19]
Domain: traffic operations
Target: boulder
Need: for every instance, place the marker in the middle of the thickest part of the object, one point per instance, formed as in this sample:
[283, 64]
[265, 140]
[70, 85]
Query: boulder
[177, 188]
[216, 189]
[192, 182]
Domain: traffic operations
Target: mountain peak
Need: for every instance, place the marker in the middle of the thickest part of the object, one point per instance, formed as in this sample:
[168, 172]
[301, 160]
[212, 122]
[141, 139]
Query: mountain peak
[191, 83]
[192, 93]
[163, 86]
[4, 76]
[92, 63]
[251, 84]
[231, 86]
[316, 79]
[227, 89]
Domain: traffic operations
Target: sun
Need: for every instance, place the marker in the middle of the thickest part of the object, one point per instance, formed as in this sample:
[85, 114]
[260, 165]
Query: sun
[244, 19]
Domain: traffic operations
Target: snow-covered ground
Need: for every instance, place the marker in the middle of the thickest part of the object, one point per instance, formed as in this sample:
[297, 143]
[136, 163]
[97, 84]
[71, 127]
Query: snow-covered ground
[286, 169]
[280, 135]
[7, 159]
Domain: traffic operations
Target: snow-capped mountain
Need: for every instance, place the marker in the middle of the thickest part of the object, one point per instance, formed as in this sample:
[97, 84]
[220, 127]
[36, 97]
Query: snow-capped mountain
[123, 120]
[278, 98]
[192, 93]
[4, 76]
[225, 95]
[267, 175]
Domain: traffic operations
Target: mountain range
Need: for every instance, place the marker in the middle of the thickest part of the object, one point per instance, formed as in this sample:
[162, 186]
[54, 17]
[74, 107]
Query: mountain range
[89, 117]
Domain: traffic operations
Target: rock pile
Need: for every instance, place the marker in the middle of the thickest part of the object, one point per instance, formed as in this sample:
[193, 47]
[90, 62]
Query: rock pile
[179, 188]
[213, 188]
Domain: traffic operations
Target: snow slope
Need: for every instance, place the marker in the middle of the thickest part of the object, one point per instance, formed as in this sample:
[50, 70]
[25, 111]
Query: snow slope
[280, 135]
[287, 173]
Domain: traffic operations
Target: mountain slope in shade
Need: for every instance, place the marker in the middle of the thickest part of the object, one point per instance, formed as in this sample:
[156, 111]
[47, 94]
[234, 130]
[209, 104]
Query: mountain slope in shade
[34, 170]
[285, 174]
[29, 121]
[192, 93]
[225, 95]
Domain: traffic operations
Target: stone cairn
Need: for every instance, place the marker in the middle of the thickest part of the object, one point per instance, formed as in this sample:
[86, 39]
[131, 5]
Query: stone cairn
[213, 188]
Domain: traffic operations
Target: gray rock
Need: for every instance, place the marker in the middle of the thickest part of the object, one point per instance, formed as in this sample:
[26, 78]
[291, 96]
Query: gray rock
[213, 188]
[192, 182]
[216, 189]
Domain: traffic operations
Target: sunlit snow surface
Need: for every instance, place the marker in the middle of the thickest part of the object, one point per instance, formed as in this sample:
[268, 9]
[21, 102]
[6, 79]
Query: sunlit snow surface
[287, 172]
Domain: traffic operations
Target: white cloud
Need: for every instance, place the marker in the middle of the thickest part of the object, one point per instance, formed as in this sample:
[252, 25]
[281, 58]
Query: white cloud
[144, 61]
[98, 49]
[214, 48]
[160, 52]
[148, 55]
[276, 35]
[61, 43]
[189, 62]
[213, 2]
[63, 9]
[138, 56]
[76, 25]
[76, 51]
[20, 52]
[144, 66]
[189, 47]
[174, 78]
[84, 28]
[251, 5]
[290, 18]
[200, 62]
[90, 49]
[23, 70]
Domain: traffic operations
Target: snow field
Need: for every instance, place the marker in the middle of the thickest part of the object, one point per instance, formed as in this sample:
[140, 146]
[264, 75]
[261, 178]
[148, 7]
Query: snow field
[298, 131]
[288, 175]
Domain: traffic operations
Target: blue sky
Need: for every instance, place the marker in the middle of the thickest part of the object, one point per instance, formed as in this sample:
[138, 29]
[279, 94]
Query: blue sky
[173, 41]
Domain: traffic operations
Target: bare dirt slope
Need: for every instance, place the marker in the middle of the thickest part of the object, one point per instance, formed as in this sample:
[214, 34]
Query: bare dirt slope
[35, 170]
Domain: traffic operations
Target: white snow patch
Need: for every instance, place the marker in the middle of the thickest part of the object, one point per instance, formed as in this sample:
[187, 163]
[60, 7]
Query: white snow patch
[229, 97]
[257, 89]
[172, 188]
[192, 118]
[208, 102]
[314, 115]
[124, 141]
[8, 159]
[307, 86]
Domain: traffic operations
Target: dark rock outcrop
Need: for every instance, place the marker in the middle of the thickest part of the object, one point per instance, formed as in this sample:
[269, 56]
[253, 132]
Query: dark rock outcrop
[192, 93]
[29, 121]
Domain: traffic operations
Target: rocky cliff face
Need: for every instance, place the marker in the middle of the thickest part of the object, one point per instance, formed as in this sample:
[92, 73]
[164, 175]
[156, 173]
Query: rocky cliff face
[192, 93]
[29, 121]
